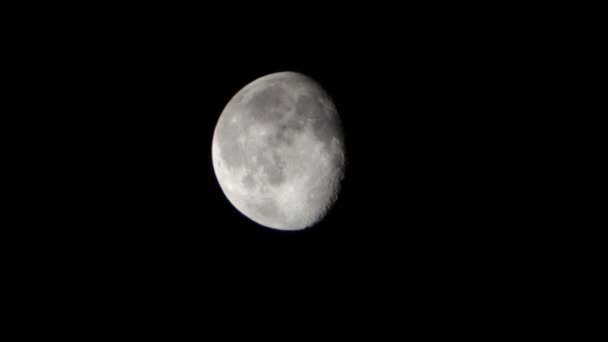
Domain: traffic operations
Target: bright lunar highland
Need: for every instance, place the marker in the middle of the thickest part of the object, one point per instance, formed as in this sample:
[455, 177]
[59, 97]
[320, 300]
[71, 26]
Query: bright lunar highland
[278, 151]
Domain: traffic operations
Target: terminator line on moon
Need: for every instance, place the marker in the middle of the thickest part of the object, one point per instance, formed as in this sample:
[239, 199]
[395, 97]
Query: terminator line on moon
[278, 151]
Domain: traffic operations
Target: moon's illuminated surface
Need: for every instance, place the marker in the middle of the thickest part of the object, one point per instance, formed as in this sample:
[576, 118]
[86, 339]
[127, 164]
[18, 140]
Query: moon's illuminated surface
[278, 151]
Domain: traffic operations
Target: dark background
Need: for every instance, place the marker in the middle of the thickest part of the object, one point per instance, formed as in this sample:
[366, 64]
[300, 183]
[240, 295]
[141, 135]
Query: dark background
[468, 207]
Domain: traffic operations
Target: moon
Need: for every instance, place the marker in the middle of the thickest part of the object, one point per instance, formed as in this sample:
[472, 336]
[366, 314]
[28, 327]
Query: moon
[278, 151]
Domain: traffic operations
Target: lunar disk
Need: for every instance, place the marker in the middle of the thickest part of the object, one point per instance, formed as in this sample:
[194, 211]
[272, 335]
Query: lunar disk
[278, 151]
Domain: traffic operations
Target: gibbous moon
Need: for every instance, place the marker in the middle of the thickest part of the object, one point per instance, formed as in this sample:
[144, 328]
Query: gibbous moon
[278, 151]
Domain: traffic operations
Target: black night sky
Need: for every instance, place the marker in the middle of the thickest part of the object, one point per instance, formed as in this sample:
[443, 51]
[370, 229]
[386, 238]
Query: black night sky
[467, 209]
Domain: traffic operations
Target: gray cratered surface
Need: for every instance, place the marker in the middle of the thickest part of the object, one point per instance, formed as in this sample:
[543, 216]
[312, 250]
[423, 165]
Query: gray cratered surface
[278, 151]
